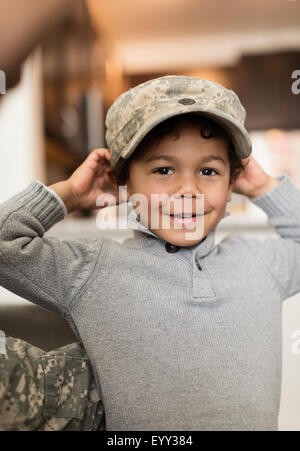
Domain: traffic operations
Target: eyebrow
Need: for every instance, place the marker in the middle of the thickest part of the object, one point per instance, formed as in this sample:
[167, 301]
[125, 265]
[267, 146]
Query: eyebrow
[173, 158]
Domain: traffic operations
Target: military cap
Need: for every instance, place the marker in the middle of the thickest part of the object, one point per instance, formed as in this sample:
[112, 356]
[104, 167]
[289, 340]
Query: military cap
[138, 110]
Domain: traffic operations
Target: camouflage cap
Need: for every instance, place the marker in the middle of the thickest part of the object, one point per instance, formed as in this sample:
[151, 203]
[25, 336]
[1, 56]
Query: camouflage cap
[137, 111]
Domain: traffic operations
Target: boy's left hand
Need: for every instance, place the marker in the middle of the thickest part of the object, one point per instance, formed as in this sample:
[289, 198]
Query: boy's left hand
[253, 180]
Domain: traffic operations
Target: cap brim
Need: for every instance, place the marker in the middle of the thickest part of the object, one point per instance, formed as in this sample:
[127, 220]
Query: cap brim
[239, 135]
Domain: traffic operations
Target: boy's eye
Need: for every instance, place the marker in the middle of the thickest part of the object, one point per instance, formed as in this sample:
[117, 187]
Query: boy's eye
[161, 170]
[208, 169]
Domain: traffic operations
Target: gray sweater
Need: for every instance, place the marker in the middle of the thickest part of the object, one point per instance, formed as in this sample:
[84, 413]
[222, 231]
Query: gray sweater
[173, 347]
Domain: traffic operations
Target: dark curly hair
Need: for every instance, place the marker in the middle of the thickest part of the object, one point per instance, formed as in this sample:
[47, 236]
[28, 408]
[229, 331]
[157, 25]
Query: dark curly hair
[208, 129]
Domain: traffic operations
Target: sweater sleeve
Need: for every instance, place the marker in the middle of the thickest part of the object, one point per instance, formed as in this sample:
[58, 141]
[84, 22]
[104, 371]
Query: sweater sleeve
[44, 270]
[281, 255]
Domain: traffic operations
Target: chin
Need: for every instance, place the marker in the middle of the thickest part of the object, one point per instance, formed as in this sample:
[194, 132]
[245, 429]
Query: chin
[179, 239]
[190, 242]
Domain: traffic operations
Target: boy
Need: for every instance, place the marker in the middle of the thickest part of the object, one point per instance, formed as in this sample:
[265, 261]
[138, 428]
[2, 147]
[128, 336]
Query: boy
[182, 334]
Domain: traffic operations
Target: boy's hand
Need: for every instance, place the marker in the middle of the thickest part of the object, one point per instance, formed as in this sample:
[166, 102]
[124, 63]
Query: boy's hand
[89, 179]
[82, 189]
[253, 180]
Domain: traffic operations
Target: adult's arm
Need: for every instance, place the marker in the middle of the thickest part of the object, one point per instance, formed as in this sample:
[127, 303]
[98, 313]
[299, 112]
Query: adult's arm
[24, 24]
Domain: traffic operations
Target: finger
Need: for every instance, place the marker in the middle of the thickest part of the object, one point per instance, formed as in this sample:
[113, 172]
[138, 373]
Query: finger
[102, 152]
[99, 156]
[98, 159]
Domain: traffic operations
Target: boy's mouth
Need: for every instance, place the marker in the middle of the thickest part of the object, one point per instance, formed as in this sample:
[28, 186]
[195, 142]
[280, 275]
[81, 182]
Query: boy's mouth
[183, 214]
[184, 218]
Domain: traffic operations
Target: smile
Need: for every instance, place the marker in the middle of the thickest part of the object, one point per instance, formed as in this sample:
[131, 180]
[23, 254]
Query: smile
[185, 218]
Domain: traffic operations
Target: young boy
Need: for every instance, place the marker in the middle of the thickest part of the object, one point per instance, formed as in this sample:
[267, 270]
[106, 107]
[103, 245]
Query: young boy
[182, 334]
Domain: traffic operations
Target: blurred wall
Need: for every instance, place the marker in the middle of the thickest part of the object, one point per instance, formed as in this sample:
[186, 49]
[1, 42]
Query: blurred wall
[21, 131]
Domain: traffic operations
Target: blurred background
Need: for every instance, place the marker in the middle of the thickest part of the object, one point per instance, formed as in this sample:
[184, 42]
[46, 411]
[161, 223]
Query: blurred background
[66, 61]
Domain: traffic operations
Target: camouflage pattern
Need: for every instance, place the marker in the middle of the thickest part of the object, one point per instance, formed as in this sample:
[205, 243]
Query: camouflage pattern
[47, 391]
[137, 111]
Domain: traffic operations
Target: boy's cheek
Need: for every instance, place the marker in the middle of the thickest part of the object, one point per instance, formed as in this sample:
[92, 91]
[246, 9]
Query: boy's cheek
[216, 202]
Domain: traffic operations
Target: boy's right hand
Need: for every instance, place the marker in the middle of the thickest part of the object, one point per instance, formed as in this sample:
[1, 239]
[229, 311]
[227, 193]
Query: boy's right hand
[83, 187]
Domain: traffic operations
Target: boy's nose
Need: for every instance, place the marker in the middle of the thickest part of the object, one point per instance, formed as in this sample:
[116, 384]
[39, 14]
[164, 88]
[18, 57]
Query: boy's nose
[188, 186]
[188, 195]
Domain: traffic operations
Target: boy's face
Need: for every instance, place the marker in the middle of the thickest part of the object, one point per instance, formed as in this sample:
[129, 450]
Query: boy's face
[181, 167]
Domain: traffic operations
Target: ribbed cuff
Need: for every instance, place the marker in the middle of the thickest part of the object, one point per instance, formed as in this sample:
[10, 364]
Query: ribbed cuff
[284, 198]
[56, 196]
[45, 207]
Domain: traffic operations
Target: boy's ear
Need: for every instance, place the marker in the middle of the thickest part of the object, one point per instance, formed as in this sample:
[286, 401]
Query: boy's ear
[111, 177]
[230, 188]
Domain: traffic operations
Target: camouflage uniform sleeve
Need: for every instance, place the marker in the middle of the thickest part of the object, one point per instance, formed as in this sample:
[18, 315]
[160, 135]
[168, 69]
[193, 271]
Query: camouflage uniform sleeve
[47, 391]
